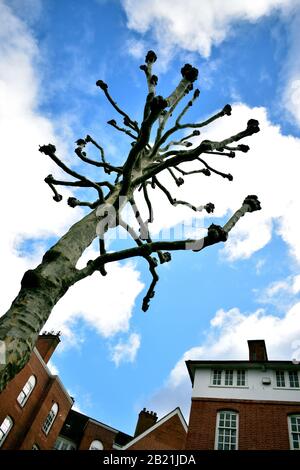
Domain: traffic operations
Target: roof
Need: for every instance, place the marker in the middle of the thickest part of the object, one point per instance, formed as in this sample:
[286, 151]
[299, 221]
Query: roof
[157, 424]
[193, 365]
[76, 422]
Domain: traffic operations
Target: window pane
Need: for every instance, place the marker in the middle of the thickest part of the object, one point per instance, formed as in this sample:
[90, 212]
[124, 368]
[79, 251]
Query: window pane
[228, 377]
[226, 430]
[294, 380]
[50, 418]
[5, 427]
[295, 431]
[217, 377]
[280, 380]
[96, 445]
[241, 380]
[26, 391]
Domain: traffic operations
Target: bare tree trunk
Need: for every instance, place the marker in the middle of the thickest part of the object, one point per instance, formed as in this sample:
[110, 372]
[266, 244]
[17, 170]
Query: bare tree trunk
[41, 289]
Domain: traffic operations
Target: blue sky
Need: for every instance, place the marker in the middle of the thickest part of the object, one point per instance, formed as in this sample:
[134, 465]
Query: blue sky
[115, 359]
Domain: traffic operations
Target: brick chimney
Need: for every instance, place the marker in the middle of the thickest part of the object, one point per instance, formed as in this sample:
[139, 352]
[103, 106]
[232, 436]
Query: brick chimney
[145, 420]
[257, 350]
[47, 343]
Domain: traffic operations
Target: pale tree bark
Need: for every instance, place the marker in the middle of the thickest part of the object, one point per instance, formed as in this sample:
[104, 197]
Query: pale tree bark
[154, 149]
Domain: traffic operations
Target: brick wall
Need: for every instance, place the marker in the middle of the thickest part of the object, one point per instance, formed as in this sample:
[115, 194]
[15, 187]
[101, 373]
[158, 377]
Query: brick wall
[94, 431]
[28, 420]
[170, 435]
[262, 425]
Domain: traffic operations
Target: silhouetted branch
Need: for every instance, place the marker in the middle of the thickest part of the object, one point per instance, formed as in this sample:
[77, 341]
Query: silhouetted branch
[225, 111]
[82, 155]
[208, 207]
[102, 250]
[50, 151]
[104, 87]
[187, 106]
[183, 141]
[151, 292]
[78, 183]
[181, 156]
[144, 231]
[113, 123]
[148, 202]
[73, 202]
[215, 235]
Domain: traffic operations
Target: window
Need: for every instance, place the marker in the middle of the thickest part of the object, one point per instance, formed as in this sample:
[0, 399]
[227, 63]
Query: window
[294, 380]
[241, 378]
[294, 431]
[50, 418]
[217, 377]
[280, 380]
[5, 427]
[226, 430]
[228, 377]
[35, 447]
[96, 445]
[26, 390]
[64, 444]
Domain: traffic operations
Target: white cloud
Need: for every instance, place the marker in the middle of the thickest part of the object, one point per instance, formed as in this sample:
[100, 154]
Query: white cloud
[227, 339]
[126, 351]
[198, 26]
[194, 25]
[105, 303]
[27, 211]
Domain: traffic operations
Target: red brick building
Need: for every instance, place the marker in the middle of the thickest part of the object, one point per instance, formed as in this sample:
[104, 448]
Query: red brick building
[35, 413]
[246, 405]
[35, 404]
[169, 433]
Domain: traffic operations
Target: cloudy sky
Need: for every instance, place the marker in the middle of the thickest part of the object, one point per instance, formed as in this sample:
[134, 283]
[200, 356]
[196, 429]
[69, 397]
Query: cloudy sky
[113, 358]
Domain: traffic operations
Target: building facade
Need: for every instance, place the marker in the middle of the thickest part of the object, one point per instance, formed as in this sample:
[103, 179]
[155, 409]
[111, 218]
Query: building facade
[246, 405]
[36, 414]
[35, 404]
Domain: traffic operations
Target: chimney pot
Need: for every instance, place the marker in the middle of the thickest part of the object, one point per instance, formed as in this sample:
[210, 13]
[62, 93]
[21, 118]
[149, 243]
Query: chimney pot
[145, 421]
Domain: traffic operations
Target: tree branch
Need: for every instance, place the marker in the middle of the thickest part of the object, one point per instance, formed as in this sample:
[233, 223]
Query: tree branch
[50, 151]
[152, 264]
[113, 123]
[215, 235]
[193, 154]
[209, 207]
[144, 231]
[104, 87]
[82, 155]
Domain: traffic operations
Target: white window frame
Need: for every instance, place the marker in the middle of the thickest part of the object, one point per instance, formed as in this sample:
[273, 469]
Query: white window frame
[93, 443]
[291, 432]
[5, 428]
[62, 443]
[245, 377]
[216, 375]
[297, 379]
[284, 378]
[229, 373]
[50, 419]
[218, 425]
[26, 391]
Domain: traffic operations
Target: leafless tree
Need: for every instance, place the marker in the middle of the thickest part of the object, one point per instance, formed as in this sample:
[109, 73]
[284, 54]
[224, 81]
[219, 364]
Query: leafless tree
[159, 143]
